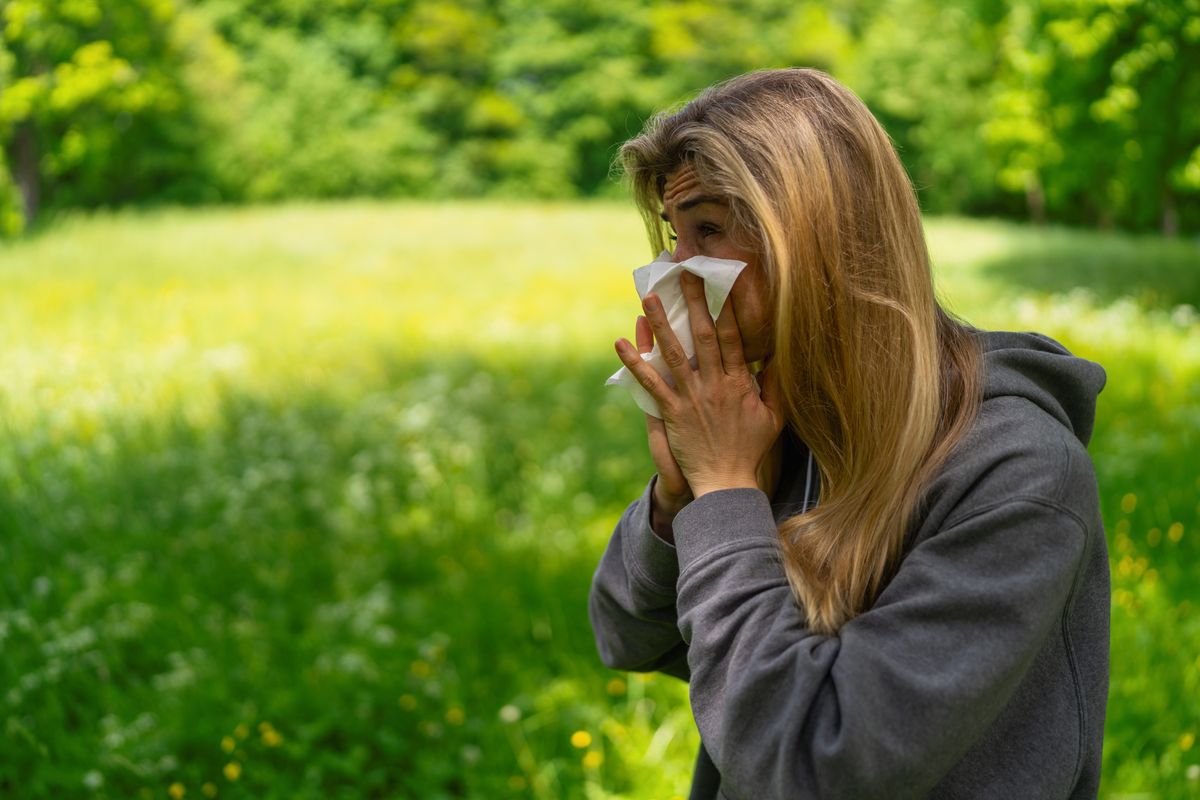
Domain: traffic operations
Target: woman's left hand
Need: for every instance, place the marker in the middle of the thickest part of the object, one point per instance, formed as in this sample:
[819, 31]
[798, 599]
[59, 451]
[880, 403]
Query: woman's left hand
[718, 426]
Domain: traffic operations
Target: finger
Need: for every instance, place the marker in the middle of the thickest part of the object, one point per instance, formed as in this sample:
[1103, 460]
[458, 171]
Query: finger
[704, 335]
[674, 482]
[645, 374]
[730, 339]
[645, 337]
[668, 345]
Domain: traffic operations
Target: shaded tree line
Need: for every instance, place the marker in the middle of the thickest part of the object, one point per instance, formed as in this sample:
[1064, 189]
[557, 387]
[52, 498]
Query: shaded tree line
[1077, 111]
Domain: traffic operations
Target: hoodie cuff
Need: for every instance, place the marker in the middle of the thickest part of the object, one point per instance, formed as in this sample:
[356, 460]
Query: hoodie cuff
[723, 520]
[656, 562]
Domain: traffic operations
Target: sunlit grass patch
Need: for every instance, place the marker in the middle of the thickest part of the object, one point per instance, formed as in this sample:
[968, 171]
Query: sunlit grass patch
[306, 500]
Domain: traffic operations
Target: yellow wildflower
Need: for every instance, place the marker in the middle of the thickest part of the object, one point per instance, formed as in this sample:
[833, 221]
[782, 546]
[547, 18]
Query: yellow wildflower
[241, 731]
[1129, 503]
[209, 789]
[177, 791]
[616, 686]
[455, 715]
[593, 759]
[408, 702]
[227, 744]
[420, 669]
[271, 738]
[1175, 532]
[233, 771]
[1187, 740]
[581, 739]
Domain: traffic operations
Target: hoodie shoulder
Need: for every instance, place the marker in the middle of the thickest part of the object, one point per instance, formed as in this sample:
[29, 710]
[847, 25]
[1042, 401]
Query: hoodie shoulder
[1040, 369]
[1030, 438]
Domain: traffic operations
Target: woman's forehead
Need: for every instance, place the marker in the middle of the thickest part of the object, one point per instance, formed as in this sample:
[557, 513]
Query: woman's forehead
[677, 183]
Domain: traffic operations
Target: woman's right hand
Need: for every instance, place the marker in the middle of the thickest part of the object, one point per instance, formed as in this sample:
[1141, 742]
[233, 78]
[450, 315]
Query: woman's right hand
[671, 490]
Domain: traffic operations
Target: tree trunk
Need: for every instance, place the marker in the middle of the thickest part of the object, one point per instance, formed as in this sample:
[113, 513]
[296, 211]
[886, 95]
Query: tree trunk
[25, 169]
[1035, 198]
[1170, 215]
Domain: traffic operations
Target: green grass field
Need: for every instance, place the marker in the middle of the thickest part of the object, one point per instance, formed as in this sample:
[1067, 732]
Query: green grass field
[304, 502]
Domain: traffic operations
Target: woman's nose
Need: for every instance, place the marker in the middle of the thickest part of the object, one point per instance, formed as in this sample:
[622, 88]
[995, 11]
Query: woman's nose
[682, 252]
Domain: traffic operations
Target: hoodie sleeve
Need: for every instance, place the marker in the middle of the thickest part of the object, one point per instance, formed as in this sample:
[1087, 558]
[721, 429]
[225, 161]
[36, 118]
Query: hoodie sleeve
[889, 705]
[631, 603]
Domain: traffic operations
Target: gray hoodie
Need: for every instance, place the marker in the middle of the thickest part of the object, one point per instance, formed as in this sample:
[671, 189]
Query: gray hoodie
[980, 672]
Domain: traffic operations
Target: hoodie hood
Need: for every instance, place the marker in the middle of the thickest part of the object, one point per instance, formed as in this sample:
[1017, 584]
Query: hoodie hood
[1040, 369]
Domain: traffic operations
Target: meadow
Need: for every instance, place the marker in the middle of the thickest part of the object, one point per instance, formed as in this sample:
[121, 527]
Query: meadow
[304, 501]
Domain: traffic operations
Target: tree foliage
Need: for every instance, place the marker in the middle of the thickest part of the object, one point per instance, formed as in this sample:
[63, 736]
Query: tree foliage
[92, 106]
[1074, 110]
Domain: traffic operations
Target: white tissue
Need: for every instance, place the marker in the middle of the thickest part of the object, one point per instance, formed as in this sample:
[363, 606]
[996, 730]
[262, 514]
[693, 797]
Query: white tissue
[662, 278]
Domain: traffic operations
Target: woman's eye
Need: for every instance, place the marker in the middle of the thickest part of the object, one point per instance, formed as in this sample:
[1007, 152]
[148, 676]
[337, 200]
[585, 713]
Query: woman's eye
[702, 230]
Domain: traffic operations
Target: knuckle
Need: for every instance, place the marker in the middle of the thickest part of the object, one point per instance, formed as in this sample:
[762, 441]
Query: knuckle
[706, 336]
[729, 336]
[673, 356]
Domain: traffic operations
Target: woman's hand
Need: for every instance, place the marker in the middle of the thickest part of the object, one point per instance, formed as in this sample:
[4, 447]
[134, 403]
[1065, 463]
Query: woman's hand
[716, 425]
[671, 490]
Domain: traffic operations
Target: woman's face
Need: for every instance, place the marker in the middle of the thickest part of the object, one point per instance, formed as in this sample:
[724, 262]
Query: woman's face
[701, 221]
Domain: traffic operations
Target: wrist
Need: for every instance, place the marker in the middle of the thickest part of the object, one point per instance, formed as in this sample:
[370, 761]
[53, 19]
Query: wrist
[662, 528]
[667, 501]
[663, 511]
[716, 485]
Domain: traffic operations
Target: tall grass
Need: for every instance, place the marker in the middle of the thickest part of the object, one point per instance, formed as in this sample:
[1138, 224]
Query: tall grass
[305, 501]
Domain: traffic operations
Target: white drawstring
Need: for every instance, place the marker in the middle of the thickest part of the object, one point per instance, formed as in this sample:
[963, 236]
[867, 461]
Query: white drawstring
[807, 481]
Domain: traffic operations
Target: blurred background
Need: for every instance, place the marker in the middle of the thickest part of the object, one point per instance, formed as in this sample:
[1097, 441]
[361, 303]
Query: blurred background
[306, 309]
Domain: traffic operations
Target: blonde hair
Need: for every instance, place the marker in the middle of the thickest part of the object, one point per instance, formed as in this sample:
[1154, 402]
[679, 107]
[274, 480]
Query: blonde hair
[876, 377]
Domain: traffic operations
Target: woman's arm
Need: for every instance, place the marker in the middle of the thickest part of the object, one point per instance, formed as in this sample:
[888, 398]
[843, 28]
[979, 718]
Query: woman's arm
[631, 603]
[887, 707]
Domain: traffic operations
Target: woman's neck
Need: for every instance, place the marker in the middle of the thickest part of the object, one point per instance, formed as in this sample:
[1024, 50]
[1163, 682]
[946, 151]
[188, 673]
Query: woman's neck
[772, 466]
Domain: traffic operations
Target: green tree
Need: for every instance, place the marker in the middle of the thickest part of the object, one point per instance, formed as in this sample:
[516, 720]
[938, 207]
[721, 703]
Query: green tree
[1073, 110]
[1092, 110]
[92, 110]
[925, 69]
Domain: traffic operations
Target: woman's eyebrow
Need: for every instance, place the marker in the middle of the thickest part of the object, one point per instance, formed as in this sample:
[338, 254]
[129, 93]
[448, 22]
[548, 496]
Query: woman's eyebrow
[694, 201]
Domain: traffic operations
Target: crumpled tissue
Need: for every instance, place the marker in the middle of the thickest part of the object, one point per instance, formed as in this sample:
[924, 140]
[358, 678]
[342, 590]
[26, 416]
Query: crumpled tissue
[662, 278]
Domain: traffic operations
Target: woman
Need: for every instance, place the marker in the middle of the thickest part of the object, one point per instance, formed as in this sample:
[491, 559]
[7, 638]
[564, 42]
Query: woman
[937, 626]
